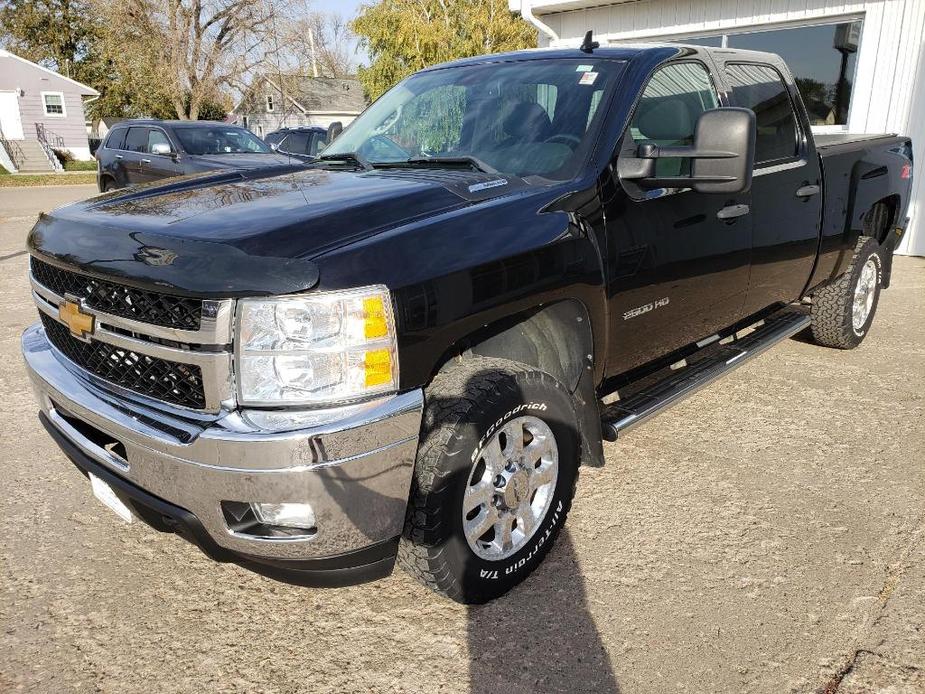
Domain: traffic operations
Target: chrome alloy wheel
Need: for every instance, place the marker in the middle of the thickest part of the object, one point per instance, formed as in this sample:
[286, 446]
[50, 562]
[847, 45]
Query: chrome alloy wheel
[864, 294]
[510, 488]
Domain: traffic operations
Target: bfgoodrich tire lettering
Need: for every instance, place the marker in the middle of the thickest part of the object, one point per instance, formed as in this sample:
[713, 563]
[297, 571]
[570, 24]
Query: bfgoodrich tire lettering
[467, 404]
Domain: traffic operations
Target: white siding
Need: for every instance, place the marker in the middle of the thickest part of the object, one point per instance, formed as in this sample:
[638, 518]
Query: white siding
[889, 88]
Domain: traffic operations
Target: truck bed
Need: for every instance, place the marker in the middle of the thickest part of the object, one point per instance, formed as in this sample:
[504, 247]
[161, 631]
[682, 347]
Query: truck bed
[830, 140]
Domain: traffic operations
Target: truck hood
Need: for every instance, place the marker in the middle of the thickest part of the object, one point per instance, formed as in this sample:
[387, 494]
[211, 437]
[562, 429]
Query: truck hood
[244, 233]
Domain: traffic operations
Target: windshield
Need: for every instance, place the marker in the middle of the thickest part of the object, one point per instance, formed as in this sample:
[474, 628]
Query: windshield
[219, 140]
[526, 118]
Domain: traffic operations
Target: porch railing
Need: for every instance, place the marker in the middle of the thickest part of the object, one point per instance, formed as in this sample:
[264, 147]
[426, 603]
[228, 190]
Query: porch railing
[49, 141]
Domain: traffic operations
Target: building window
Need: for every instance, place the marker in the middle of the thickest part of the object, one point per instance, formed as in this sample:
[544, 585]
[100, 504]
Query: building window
[54, 104]
[822, 58]
[269, 99]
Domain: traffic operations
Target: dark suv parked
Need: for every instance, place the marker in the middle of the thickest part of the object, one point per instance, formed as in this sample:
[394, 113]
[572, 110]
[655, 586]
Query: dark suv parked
[305, 141]
[140, 151]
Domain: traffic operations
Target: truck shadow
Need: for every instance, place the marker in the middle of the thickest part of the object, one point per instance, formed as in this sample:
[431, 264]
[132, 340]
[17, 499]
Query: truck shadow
[540, 637]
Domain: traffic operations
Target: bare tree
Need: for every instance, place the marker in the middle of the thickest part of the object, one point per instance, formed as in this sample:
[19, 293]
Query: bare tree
[310, 41]
[199, 48]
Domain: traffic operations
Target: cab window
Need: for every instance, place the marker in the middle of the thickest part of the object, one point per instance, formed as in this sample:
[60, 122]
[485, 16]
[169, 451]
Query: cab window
[668, 111]
[762, 89]
[157, 137]
[137, 140]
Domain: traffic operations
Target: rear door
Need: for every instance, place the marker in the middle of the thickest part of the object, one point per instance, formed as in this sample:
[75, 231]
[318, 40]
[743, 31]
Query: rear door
[787, 183]
[677, 271]
[135, 149]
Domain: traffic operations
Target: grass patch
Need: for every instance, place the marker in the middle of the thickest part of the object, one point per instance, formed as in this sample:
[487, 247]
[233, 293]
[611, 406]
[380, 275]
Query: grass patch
[30, 180]
[75, 165]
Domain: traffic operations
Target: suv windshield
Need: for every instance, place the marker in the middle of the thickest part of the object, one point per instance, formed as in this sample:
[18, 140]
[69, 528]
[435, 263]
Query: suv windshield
[219, 140]
[525, 118]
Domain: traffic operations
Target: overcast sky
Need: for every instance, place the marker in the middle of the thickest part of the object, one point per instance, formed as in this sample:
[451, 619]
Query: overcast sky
[348, 10]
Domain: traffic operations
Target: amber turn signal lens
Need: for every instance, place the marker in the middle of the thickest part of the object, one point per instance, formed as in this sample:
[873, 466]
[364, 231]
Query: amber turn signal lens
[376, 324]
[378, 367]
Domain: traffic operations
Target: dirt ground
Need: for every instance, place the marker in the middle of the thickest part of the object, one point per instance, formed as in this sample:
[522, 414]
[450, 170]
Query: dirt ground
[766, 535]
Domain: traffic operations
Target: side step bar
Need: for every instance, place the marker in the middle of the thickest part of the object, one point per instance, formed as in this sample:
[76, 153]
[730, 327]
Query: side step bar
[623, 415]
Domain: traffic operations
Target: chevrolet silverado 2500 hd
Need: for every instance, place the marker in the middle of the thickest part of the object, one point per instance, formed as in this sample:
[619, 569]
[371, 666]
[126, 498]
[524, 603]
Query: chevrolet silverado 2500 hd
[407, 348]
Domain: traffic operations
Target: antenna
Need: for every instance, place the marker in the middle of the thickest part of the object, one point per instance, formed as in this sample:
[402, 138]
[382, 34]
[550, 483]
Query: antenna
[589, 44]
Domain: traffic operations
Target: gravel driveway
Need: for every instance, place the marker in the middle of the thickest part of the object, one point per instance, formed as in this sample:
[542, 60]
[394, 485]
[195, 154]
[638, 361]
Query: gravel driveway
[766, 535]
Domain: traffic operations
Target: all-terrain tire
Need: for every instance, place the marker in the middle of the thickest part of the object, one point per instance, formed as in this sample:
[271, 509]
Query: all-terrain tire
[833, 304]
[466, 404]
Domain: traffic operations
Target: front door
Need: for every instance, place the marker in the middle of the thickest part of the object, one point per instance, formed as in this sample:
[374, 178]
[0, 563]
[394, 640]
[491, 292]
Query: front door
[10, 120]
[136, 149]
[678, 272]
[157, 166]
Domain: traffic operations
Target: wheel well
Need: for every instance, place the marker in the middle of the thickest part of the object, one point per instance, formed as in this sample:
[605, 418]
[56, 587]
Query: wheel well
[881, 217]
[555, 338]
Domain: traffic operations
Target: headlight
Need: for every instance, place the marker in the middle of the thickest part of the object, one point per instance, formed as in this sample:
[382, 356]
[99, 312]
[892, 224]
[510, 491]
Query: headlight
[317, 348]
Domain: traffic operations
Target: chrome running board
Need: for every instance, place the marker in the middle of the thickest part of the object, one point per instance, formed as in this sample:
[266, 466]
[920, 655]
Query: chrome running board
[729, 355]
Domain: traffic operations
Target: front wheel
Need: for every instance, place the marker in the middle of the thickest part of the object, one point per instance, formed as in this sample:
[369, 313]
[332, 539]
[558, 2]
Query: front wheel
[494, 478]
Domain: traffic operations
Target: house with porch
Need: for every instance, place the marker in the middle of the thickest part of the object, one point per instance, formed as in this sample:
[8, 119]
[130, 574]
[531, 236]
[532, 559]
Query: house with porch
[40, 111]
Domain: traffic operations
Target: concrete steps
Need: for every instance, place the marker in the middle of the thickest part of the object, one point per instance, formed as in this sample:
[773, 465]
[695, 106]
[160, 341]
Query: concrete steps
[29, 157]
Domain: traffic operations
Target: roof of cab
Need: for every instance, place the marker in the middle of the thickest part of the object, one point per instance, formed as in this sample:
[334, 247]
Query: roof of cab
[627, 52]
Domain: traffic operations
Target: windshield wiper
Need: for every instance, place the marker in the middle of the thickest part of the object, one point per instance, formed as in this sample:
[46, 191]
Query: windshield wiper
[464, 160]
[348, 157]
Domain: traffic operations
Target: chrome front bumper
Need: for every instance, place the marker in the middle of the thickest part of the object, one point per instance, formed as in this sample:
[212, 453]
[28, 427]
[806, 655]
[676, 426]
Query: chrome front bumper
[353, 465]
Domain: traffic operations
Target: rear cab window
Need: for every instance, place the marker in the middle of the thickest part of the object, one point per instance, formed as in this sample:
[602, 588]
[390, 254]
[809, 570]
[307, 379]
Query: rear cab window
[761, 88]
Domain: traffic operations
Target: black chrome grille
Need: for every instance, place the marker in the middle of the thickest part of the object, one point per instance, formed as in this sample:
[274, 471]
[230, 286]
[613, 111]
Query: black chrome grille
[180, 384]
[121, 300]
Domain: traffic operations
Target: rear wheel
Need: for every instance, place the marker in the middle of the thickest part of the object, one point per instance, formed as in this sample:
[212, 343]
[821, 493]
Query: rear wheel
[843, 311]
[494, 478]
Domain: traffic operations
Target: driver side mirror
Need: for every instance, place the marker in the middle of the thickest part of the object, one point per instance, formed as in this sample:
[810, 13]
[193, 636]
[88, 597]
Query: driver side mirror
[161, 148]
[723, 155]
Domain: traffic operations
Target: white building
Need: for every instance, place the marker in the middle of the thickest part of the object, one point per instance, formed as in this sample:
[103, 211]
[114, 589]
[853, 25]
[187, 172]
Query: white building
[860, 65]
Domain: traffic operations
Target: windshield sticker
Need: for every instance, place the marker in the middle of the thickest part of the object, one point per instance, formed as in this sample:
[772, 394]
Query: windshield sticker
[475, 188]
[587, 78]
[584, 68]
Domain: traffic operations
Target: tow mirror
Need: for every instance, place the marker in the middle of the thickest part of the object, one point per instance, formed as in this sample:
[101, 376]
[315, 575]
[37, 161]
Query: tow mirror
[723, 155]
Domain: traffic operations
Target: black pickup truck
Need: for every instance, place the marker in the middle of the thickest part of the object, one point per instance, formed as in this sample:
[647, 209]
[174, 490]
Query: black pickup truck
[407, 348]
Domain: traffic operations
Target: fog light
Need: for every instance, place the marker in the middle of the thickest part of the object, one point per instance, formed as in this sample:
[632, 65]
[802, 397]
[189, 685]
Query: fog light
[286, 515]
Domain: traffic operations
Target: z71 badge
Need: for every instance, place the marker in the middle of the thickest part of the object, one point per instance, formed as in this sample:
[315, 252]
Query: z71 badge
[638, 311]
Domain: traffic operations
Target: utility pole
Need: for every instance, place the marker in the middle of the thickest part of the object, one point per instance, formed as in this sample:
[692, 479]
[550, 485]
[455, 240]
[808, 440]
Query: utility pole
[311, 46]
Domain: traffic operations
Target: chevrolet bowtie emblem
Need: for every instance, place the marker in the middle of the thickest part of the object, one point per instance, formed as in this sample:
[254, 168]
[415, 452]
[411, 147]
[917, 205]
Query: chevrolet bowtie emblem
[79, 323]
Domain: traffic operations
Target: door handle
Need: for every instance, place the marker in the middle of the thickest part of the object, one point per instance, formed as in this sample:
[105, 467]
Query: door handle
[733, 211]
[145, 161]
[119, 156]
[807, 191]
